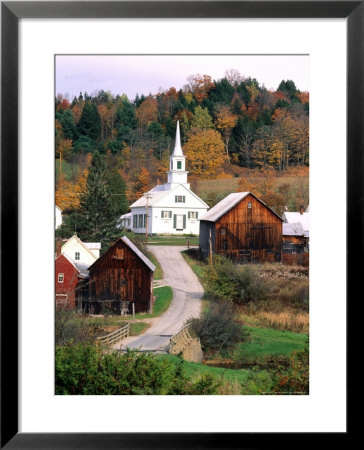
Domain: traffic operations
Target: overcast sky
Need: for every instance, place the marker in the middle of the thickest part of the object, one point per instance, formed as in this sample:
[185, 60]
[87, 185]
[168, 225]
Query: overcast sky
[144, 74]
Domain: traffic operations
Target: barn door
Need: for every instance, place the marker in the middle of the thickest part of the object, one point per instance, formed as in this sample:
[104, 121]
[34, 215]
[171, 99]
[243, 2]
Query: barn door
[262, 237]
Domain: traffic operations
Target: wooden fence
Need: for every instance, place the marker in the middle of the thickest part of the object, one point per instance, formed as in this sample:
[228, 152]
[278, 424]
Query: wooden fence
[115, 336]
[180, 341]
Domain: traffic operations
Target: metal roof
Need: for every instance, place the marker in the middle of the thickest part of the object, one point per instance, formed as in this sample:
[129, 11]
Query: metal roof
[224, 206]
[93, 245]
[228, 203]
[292, 229]
[83, 269]
[296, 217]
[135, 249]
[153, 197]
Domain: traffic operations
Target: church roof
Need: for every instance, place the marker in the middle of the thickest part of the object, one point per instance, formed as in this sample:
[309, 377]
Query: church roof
[158, 193]
[177, 151]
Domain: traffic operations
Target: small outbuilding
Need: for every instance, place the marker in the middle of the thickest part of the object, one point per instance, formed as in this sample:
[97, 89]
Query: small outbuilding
[123, 275]
[71, 282]
[242, 227]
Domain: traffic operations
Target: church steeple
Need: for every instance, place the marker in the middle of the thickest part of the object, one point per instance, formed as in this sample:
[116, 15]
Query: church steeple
[177, 144]
[177, 173]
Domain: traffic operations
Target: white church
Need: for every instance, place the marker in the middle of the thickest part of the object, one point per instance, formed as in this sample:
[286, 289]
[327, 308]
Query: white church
[170, 208]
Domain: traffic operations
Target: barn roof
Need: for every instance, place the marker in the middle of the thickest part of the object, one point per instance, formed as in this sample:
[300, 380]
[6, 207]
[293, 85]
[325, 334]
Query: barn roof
[80, 267]
[296, 217]
[227, 203]
[141, 255]
[292, 229]
[133, 248]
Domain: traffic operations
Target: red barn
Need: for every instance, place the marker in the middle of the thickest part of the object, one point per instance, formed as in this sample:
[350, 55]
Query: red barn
[123, 275]
[70, 277]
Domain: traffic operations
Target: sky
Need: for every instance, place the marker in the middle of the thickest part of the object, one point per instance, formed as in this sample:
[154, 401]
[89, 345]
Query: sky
[145, 74]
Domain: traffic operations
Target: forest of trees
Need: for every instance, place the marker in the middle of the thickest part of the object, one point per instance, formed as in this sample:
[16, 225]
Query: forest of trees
[234, 120]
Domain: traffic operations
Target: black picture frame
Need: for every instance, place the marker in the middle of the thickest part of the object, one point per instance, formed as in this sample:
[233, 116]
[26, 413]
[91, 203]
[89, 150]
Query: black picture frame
[11, 12]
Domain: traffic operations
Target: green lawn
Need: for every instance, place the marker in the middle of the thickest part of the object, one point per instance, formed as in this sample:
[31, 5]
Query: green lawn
[263, 342]
[193, 370]
[138, 328]
[266, 342]
[158, 274]
[172, 240]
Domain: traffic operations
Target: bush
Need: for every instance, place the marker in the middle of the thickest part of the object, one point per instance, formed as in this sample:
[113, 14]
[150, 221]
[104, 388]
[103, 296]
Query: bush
[217, 329]
[70, 326]
[84, 369]
[228, 282]
[294, 380]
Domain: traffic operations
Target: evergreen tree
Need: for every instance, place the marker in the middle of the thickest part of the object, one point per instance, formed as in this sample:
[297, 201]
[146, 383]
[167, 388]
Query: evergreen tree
[90, 122]
[117, 188]
[97, 206]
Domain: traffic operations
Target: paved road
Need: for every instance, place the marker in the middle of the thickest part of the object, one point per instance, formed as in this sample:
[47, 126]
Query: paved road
[186, 303]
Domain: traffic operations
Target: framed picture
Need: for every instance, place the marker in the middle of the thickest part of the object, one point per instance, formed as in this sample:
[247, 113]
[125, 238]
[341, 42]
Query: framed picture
[18, 213]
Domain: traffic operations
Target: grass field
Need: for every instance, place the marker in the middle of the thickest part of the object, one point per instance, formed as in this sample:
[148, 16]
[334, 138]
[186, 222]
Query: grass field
[265, 342]
[173, 240]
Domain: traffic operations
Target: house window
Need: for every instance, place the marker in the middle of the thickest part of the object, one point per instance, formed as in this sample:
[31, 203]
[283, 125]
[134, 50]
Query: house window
[60, 277]
[140, 225]
[223, 231]
[180, 199]
[171, 165]
[166, 214]
[144, 220]
[179, 164]
[249, 205]
[193, 214]
[77, 256]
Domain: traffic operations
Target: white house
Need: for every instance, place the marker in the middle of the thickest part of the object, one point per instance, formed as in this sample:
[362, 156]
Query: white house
[81, 252]
[170, 208]
[58, 216]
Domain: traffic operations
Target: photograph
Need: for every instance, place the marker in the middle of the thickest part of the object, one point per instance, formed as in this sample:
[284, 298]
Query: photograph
[181, 238]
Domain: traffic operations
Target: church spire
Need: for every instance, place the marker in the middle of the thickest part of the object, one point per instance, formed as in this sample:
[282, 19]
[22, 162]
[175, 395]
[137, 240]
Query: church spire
[177, 145]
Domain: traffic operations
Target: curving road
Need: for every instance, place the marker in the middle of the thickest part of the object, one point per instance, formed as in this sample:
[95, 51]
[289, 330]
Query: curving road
[186, 303]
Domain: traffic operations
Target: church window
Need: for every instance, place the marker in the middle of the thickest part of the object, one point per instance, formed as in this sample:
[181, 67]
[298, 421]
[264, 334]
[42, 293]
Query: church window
[166, 214]
[180, 199]
[179, 164]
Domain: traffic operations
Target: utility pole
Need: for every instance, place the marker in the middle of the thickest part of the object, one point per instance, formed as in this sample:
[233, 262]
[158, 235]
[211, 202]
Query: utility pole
[210, 242]
[146, 218]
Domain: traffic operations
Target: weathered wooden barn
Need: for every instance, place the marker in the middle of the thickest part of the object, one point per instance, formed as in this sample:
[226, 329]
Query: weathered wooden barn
[242, 227]
[294, 244]
[123, 275]
[71, 282]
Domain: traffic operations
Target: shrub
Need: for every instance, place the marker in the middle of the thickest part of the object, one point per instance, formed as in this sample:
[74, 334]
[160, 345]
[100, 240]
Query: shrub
[71, 326]
[294, 380]
[217, 329]
[84, 369]
[228, 282]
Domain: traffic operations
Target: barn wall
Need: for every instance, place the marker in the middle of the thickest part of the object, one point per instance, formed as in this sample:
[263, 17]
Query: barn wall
[120, 276]
[249, 235]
